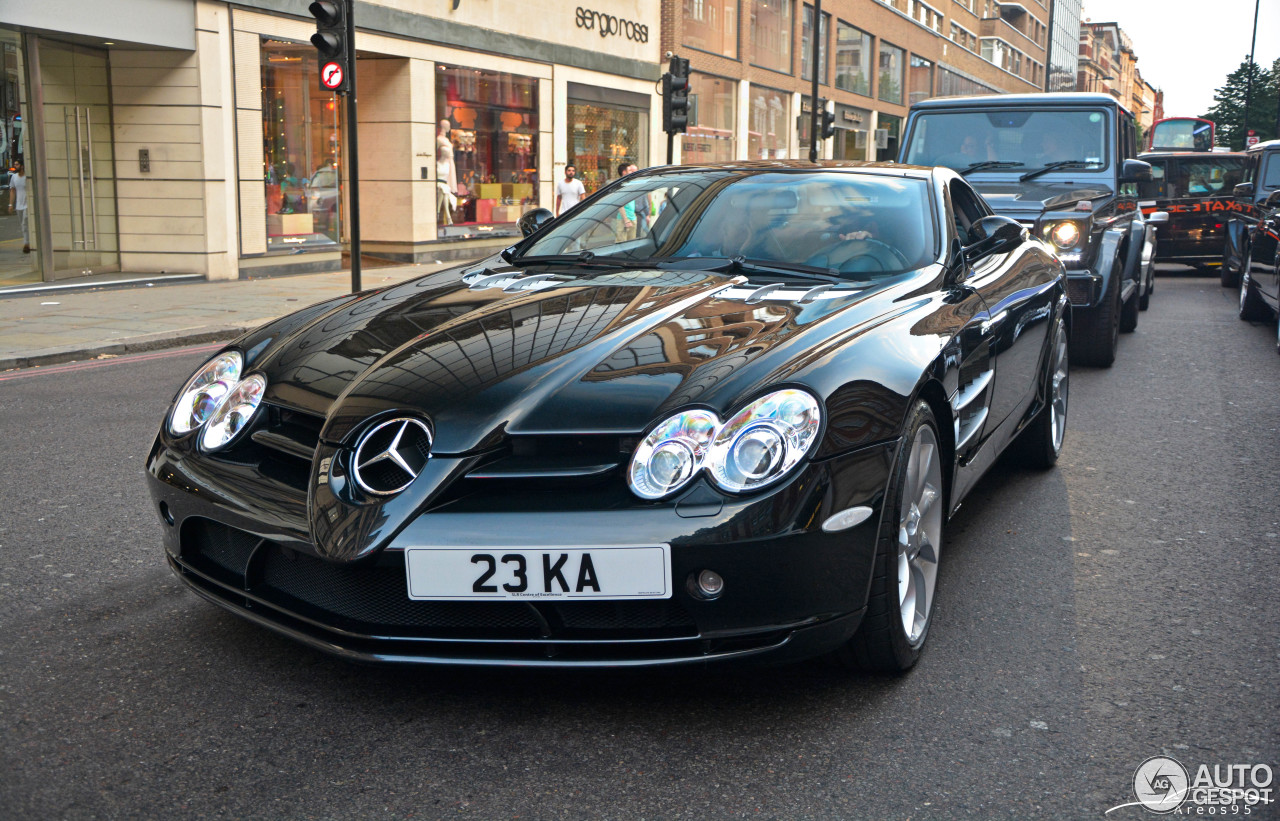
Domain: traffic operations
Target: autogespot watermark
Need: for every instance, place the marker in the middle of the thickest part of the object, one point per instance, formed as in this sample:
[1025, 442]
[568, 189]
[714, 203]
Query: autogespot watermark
[1165, 787]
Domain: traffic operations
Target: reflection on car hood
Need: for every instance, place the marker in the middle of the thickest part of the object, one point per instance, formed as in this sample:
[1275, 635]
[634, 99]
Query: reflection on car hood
[605, 352]
[1028, 199]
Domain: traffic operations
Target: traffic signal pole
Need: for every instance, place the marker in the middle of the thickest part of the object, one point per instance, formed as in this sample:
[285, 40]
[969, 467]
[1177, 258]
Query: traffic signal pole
[335, 42]
[353, 160]
[813, 95]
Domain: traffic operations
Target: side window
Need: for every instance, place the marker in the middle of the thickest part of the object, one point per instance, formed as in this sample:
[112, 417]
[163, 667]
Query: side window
[967, 208]
[1271, 176]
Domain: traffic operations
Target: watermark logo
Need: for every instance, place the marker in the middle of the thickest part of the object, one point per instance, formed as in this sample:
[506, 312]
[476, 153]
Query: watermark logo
[1160, 784]
[1163, 786]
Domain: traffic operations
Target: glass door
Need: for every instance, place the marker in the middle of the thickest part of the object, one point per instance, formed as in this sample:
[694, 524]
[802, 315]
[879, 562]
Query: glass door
[19, 251]
[79, 174]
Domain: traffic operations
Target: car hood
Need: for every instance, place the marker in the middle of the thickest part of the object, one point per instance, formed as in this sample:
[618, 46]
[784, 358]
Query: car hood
[1027, 200]
[506, 353]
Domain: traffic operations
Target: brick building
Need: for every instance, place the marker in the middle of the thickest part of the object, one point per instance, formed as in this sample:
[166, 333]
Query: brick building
[751, 68]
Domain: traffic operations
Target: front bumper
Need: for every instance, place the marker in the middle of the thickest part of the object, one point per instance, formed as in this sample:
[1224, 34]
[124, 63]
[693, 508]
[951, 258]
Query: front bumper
[791, 590]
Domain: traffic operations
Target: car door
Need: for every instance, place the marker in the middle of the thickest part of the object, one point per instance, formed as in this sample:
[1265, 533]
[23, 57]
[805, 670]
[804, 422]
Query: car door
[1264, 244]
[1019, 299]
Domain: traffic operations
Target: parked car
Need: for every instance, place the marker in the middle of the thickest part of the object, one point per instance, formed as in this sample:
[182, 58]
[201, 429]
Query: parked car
[1196, 190]
[1261, 180]
[1260, 274]
[736, 435]
[1065, 166]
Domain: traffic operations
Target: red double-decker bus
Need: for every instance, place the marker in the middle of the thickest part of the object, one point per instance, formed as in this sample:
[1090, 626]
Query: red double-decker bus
[1181, 134]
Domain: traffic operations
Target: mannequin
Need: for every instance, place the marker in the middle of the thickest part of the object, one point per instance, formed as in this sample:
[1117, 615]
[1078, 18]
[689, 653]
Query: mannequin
[446, 174]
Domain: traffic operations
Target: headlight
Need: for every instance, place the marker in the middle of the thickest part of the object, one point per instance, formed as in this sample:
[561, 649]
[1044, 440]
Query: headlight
[672, 453]
[764, 440]
[203, 392]
[234, 412]
[756, 447]
[1064, 235]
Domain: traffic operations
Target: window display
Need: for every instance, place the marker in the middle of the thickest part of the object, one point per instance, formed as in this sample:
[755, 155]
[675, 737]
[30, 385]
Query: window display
[486, 151]
[302, 151]
[603, 137]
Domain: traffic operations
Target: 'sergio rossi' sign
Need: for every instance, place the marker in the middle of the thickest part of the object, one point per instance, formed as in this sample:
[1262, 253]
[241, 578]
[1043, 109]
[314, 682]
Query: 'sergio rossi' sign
[608, 24]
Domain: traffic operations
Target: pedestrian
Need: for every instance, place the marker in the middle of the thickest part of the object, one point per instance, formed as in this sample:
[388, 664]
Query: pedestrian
[569, 191]
[18, 202]
[626, 227]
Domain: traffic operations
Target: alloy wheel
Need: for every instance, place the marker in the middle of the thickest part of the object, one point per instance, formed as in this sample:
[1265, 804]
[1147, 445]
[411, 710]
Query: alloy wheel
[919, 533]
[1059, 388]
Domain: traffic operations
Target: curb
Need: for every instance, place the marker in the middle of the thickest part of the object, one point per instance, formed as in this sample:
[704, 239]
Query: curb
[135, 344]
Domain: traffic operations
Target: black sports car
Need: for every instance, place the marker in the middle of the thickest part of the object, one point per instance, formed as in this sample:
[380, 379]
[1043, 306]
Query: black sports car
[732, 428]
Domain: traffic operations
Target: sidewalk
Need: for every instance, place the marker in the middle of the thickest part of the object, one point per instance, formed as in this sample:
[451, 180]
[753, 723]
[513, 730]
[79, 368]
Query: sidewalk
[53, 327]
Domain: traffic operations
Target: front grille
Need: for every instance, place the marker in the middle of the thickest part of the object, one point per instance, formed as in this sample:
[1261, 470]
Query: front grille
[282, 445]
[1079, 290]
[371, 597]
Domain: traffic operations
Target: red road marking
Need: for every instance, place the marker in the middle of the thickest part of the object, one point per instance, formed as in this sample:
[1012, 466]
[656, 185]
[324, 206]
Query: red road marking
[98, 363]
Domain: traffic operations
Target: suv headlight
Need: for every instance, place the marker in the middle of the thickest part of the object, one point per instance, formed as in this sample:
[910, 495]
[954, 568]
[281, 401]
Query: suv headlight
[1065, 235]
[203, 391]
[757, 446]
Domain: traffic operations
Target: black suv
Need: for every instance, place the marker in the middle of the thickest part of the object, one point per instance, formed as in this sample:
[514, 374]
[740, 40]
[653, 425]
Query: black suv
[1065, 166]
[1251, 258]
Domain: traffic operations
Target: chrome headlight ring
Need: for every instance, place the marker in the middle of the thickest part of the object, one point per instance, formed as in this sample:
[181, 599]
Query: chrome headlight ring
[204, 391]
[759, 445]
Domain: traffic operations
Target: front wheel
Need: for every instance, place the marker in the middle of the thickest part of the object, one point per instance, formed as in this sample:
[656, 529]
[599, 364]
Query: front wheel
[1096, 335]
[1252, 308]
[1042, 441]
[904, 579]
[1227, 275]
[1129, 315]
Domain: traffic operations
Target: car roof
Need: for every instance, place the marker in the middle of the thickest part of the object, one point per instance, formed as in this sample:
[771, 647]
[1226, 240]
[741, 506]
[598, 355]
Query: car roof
[765, 166]
[1193, 154]
[1264, 146]
[1056, 99]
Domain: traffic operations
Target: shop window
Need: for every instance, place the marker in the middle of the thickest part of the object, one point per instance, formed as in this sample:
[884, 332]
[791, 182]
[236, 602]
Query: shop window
[603, 137]
[771, 34]
[889, 86]
[806, 46]
[486, 151]
[302, 151]
[712, 118]
[769, 124]
[712, 25]
[887, 132]
[853, 59]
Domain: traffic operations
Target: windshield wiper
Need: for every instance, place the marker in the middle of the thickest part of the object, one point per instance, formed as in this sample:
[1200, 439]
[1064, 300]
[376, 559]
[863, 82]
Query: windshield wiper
[1031, 175]
[586, 258]
[745, 266]
[985, 164]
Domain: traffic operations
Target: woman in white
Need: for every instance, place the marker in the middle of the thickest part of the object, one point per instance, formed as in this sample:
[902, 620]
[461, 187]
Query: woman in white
[18, 202]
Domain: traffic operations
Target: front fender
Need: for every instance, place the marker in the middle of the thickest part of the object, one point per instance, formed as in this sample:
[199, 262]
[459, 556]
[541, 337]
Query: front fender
[1105, 261]
[1133, 251]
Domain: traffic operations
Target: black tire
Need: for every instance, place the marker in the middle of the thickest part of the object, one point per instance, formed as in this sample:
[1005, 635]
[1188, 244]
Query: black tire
[882, 644]
[1145, 302]
[1041, 441]
[1095, 334]
[1252, 308]
[1228, 276]
[1129, 315]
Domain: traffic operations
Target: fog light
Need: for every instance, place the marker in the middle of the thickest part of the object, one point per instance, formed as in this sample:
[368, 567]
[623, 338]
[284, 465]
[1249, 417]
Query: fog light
[710, 584]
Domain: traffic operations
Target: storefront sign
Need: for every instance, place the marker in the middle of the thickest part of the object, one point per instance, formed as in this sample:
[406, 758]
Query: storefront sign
[608, 24]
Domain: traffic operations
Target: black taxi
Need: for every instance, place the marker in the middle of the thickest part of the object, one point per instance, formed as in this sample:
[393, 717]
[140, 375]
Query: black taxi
[1197, 190]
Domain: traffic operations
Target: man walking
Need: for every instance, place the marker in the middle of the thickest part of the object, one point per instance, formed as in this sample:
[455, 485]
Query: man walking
[569, 191]
[18, 202]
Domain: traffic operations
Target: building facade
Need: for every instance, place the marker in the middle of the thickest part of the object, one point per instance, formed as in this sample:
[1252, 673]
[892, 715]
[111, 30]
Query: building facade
[1109, 64]
[1064, 45]
[171, 136]
[752, 68]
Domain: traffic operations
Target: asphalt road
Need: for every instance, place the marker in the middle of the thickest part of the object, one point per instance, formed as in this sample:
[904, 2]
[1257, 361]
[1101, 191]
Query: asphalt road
[1121, 606]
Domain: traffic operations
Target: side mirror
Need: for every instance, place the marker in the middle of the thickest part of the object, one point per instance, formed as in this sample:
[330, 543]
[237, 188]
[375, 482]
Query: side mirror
[533, 220]
[994, 235]
[1273, 200]
[1244, 191]
[1135, 171]
[1157, 218]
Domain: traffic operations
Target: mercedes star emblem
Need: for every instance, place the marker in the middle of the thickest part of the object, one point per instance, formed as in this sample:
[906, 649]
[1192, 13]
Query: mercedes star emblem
[391, 455]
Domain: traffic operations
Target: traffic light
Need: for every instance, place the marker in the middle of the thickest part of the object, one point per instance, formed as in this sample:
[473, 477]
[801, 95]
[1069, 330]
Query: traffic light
[330, 40]
[827, 123]
[675, 96]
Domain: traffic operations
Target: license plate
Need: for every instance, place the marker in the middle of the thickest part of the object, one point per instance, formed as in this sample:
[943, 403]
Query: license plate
[532, 573]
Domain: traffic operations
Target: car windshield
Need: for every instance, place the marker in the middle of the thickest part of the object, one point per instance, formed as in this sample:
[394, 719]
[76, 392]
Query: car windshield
[1196, 176]
[1034, 139]
[855, 225]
